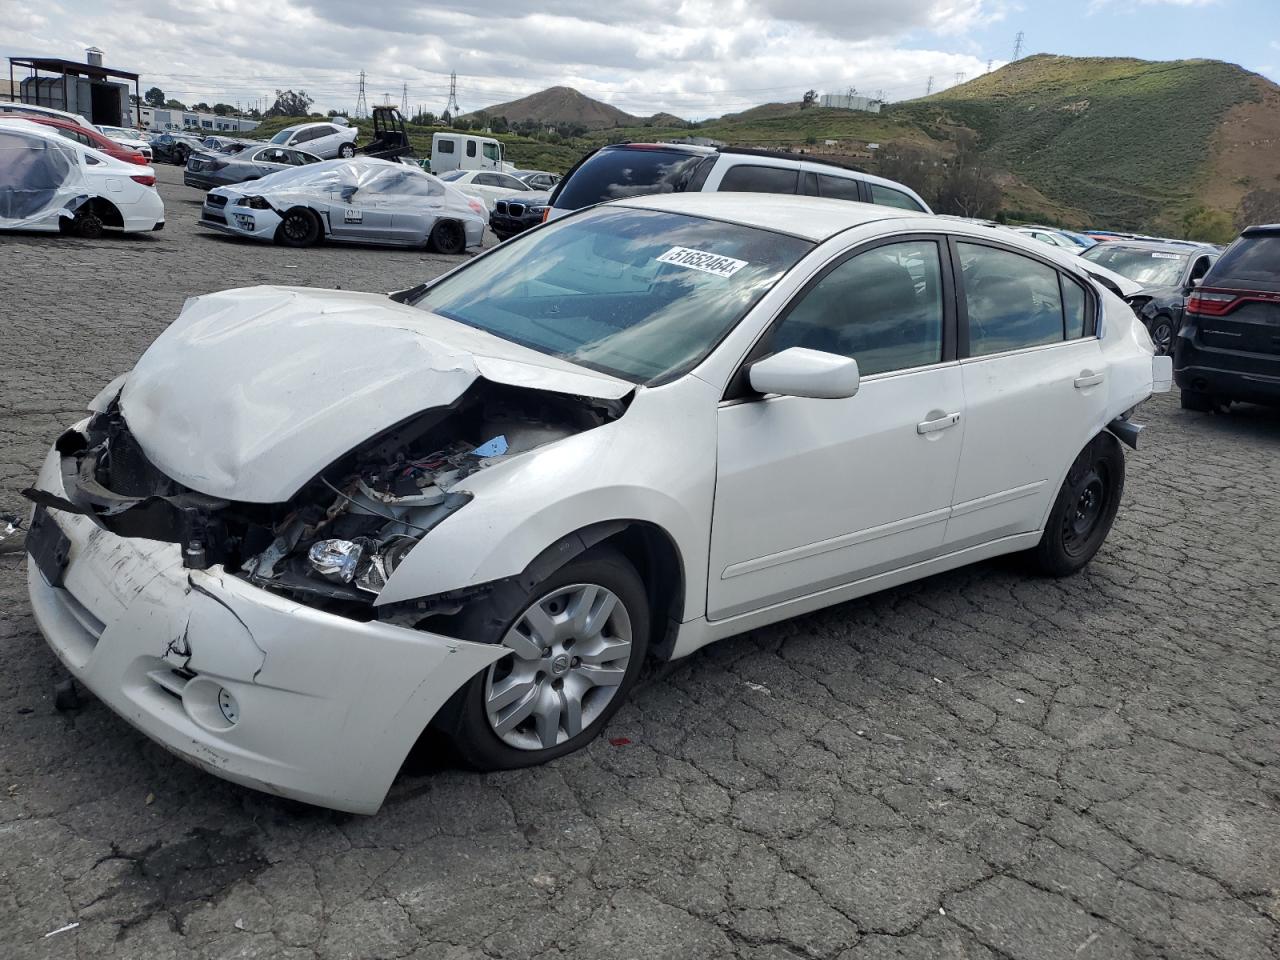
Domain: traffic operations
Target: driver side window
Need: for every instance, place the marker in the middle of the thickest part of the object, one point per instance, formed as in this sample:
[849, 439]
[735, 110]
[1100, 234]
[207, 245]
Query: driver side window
[883, 308]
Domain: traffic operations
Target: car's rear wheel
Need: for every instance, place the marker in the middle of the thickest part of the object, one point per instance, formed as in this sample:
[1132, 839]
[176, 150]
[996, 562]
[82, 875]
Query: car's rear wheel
[447, 237]
[1197, 401]
[298, 228]
[1162, 335]
[1084, 510]
[578, 641]
[87, 224]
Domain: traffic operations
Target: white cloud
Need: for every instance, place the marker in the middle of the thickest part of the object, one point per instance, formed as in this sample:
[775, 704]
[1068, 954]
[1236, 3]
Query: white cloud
[695, 58]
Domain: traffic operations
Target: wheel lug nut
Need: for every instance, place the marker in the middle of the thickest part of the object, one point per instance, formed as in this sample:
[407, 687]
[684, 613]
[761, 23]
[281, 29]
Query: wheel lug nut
[576, 661]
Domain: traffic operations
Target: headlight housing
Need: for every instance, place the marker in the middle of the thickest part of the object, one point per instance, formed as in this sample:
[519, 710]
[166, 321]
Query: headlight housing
[253, 203]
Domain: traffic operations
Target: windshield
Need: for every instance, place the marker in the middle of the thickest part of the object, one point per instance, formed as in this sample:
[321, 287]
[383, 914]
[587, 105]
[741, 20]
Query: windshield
[1255, 257]
[284, 135]
[1151, 268]
[630, 172]
[637, 294]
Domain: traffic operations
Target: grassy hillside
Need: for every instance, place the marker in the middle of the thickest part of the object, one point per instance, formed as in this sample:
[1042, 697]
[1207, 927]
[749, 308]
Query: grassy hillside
[1128, 140]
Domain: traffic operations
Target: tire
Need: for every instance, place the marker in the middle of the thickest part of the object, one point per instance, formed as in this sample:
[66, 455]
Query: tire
[1197, 401]
[347, 151]
[1084, 510]
[447, 237]
[520, 712]
[87, 224]
[298, 228]
[1162, 334]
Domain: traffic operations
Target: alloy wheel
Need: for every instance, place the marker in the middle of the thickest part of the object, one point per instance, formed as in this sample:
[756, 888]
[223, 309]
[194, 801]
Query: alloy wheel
[1162, 337]
[570, 651]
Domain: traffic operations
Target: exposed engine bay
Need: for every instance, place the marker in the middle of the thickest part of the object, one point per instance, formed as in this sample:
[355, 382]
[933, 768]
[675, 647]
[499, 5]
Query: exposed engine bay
[338, 539]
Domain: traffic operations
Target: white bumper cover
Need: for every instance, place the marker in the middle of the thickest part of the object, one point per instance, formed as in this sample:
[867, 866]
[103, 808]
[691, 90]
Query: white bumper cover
[326, 708]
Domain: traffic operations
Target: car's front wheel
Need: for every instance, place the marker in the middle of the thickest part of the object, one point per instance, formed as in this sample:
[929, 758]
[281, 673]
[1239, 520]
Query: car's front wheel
[298, 228]
[1084, 509]
[346, 151]
[577, 642]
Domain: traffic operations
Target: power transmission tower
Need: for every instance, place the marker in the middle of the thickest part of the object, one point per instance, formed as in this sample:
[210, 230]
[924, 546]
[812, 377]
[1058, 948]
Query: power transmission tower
[880, 94]
[404, 100]
[960, 75]
[990, 60]
[1017, 45]
[929, 89]
[362, 105]
[452, 107]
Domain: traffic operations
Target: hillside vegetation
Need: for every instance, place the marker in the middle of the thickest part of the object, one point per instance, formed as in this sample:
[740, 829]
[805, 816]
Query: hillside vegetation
[1128, 140]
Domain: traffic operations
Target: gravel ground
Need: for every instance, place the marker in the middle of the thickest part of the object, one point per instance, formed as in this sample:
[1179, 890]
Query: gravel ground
[980, 765]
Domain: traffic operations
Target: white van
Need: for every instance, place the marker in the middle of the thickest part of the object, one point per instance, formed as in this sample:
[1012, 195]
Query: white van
[462, 151]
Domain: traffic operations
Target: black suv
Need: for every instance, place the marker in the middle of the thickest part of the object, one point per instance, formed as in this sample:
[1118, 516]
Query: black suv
[1229, 345]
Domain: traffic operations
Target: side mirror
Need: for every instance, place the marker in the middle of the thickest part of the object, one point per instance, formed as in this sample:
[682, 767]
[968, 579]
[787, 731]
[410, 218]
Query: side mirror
[801, 372]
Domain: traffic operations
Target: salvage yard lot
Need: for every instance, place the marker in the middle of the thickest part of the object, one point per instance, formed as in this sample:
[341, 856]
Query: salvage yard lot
[981, 765]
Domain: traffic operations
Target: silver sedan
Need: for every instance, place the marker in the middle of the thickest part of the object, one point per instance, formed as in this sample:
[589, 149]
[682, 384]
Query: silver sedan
[358, 200]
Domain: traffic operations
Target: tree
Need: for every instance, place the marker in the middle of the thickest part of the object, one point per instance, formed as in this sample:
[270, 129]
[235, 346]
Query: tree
[910, 165]
[223, 109]
[154, 97]
[201, 107]
[175, 104]
[1207, 226]
[446, 118]
[968, 189]
[424, 119]
[810, 99]
[290, 104]
[499, 125]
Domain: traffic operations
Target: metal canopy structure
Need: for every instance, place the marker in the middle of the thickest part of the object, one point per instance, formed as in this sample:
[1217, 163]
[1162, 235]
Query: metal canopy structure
[67, 68]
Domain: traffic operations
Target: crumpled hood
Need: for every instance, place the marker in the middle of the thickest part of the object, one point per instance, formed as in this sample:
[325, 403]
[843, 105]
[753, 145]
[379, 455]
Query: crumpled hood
[250, 393]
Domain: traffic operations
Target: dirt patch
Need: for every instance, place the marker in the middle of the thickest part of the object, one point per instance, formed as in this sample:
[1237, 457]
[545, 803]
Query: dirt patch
[1244, 150]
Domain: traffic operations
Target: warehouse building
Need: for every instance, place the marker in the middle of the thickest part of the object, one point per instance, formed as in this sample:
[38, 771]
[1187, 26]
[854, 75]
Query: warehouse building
[99, 94]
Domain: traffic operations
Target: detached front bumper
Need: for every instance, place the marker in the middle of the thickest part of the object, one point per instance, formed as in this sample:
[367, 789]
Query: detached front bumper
[251, 686]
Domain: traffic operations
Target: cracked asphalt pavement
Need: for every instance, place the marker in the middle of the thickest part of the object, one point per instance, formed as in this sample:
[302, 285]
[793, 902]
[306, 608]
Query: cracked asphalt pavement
[981, 765]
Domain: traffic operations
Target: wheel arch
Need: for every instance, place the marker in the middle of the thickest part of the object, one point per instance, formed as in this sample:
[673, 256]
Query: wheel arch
[106, 211]
[315, 214]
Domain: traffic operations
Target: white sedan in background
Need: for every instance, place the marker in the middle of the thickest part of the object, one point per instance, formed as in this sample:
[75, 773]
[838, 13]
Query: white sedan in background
[130, 138]
[326, 140]
[48, 182]
[310, 524]
[488, 185]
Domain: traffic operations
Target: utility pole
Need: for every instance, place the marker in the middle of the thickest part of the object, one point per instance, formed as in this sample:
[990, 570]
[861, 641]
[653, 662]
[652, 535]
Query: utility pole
[452, 107]
[404, 99]
[362, 105]
[929, 89]
[1017, 45]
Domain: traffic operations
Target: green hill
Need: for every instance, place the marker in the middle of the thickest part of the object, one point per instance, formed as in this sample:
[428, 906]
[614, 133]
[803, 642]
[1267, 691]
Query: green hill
[1129, 141]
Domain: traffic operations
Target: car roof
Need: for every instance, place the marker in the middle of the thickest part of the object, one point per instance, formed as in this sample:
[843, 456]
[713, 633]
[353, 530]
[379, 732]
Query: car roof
[814, 218]
[1162, 246]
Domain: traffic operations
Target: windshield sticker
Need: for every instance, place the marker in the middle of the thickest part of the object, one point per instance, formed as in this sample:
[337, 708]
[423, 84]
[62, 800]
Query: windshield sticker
[1167, 256]
[711, 263]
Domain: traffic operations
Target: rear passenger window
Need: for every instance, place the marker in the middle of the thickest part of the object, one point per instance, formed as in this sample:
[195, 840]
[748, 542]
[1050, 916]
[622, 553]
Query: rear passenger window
[838, 188]
[888, 197]
[883, 308]
[745, 178]
[1075, 306]
[1013, 301]
[444, 146]
[471, 148]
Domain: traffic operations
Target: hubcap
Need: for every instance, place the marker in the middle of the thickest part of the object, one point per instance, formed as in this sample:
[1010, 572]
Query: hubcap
[570, 651]
[1090, 502]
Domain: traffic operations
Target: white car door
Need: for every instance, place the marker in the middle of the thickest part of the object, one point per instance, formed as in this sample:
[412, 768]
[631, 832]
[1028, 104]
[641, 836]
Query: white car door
[1034, 385]
[811, 494]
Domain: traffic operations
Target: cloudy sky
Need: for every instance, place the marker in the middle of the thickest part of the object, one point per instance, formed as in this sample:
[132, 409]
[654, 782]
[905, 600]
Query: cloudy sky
[694, 58]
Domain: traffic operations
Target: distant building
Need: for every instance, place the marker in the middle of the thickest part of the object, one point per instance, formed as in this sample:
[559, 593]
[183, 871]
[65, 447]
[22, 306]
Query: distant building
[99, 94]
[160, 119]
[844, 101]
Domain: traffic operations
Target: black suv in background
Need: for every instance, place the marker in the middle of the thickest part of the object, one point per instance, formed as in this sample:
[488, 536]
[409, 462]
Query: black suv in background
[1229, 345]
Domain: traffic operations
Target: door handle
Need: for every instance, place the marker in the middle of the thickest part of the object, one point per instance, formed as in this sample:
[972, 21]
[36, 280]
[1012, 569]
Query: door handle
[942, 423]
[1088, 379]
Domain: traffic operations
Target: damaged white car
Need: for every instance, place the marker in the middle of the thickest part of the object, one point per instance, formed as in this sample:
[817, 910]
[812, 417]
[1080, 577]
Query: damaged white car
[311, 525]
[49, 183]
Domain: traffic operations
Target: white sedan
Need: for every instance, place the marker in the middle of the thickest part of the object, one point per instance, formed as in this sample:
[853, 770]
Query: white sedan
[48, 182]
[311, 524]
[130, 138]
[487, 185]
